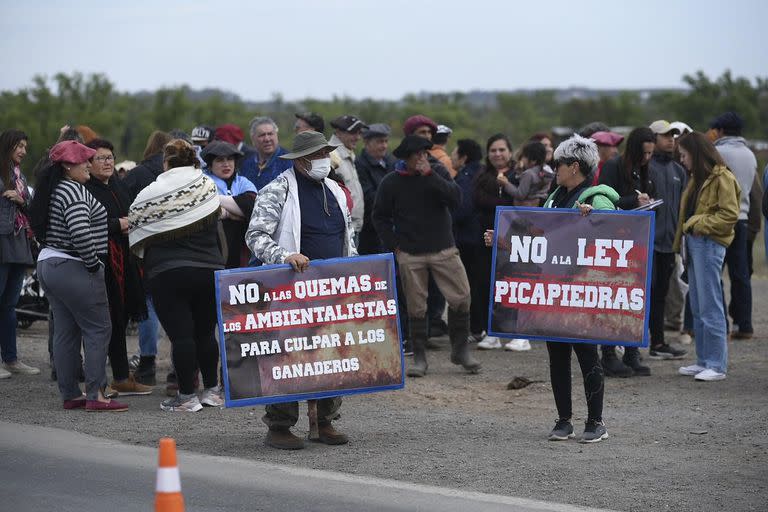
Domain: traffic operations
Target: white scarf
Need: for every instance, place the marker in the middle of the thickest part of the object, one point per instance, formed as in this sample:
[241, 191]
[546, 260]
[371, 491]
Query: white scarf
[177, 201]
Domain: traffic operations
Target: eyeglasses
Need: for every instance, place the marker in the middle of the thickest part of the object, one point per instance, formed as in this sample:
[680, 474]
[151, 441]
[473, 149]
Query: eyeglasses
[563, 161]
[104, 158]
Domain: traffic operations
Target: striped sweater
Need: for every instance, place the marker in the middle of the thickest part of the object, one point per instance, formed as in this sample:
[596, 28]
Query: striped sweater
[77, 223]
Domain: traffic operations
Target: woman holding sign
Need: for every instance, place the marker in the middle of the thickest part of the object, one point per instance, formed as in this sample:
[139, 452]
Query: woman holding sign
[709, 210]
[574, 160]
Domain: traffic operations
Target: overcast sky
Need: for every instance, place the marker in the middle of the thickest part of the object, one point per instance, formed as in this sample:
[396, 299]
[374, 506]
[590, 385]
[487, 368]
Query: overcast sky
[382, 49]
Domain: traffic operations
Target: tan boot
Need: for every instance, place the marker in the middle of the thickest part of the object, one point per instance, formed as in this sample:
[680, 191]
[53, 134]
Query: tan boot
[283, 439]
[329, 435]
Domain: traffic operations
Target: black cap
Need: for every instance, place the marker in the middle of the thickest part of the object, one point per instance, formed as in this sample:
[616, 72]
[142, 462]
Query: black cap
[315, 121]
[411, 144]
[730, 122]
[348, 124]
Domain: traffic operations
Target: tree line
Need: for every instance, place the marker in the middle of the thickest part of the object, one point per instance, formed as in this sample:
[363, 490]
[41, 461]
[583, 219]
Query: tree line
[128, 119]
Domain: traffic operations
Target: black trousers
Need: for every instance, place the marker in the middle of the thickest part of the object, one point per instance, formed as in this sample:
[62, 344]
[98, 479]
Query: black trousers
[185, 302]
[472, 256]
[560, 375]
[663, 268]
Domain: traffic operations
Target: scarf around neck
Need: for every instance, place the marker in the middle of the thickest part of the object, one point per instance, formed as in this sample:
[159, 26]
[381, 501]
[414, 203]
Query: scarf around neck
[181, 201]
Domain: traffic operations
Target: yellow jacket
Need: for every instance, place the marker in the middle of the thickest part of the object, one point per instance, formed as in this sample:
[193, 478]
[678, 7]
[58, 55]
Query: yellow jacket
[717, 209]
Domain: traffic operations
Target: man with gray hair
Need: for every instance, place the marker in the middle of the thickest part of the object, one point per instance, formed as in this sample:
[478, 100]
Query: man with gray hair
[264, 164]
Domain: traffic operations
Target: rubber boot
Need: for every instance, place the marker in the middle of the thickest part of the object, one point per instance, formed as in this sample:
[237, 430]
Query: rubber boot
[611, 364]
[632, 359]
[458, 332]
[418, 338]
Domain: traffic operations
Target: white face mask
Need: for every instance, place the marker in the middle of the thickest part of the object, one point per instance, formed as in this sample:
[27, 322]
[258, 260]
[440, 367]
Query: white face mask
[320, 169]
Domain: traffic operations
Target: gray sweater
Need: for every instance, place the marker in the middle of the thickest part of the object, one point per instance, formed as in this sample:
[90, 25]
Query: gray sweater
[742, 163]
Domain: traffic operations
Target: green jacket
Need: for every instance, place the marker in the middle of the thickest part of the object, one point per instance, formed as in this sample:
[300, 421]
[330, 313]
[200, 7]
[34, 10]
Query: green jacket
[717, 208]
[601, 197]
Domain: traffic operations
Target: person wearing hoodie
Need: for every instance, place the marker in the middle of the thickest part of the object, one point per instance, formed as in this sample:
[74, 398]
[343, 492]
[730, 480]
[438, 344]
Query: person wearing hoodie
[574, 160]
[743, 164]
[668, 179]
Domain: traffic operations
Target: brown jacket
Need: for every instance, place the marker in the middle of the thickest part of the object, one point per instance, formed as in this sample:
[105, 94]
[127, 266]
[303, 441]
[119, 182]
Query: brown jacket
[717, 209]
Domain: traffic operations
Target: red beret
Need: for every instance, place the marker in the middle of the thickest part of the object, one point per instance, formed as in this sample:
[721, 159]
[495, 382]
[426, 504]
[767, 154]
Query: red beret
[414, 122]
[607, 138]
[71, 151]
[230, 133]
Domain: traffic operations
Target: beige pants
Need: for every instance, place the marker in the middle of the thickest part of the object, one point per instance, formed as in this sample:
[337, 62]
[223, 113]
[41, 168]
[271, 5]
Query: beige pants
[448, 272]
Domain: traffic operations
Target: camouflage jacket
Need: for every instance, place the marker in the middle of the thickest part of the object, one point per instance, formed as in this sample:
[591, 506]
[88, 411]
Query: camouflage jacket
[274, 231]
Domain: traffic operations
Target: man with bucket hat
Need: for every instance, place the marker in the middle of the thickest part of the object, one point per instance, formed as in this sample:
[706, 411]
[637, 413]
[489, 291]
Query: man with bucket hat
[302, 215]
[412, 216]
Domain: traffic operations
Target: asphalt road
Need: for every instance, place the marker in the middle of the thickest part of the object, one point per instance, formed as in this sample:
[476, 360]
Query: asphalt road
[53, 469]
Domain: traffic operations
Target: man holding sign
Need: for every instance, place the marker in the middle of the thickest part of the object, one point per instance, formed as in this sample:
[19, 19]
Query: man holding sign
[301, 216]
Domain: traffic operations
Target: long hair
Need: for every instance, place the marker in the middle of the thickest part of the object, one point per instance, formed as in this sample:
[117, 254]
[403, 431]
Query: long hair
[704, 156]
[46, 183]
[499, 136]
[9, 139]
[155, 143]
[632, 158]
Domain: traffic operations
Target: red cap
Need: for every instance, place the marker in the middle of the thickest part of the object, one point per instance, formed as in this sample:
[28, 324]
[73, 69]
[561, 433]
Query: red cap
[414, 122]
[71, 151]
[607, 138]
[229, 133]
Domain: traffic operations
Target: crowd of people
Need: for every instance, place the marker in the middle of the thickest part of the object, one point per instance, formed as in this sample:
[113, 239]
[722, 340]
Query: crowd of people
[114, 244]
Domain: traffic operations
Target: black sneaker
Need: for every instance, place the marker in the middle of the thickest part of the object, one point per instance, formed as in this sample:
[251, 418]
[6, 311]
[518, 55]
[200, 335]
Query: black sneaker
[133, 362]
[594, 432]
[632, 359]
[563, 431]
[666, 351]
[613, 367]
[407, 348]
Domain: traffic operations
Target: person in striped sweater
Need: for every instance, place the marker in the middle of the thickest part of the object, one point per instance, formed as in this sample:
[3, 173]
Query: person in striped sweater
[71, 226]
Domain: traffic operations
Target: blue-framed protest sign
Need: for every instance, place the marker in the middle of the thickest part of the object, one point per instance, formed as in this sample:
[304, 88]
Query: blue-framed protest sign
[560, 276]
[328, 331]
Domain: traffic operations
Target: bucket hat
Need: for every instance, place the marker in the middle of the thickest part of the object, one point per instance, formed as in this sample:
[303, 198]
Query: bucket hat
[306, 143]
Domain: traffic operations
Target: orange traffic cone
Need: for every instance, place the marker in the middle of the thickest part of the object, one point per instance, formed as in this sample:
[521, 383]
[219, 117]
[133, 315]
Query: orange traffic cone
[168, 496]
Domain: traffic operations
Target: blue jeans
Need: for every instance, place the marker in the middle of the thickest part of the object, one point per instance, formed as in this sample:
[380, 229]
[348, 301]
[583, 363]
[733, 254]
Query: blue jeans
[11, 279]
[705, 263]
[738, 271]
[148, 330]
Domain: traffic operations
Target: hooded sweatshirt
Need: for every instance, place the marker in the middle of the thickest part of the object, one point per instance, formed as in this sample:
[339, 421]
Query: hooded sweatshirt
[742, 163]
[669, 180]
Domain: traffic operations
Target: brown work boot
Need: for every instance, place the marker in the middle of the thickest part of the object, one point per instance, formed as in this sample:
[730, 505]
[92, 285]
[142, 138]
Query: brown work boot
[130, 386]
[283, 439]
[329, 435]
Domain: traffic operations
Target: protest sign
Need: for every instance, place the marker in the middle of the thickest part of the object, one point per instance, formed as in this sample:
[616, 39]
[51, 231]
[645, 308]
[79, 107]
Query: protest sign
[561, 276]
[330, 330]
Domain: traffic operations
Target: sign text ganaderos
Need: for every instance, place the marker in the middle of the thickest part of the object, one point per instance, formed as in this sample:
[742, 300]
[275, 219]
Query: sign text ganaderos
[561, 276]
[330, 330]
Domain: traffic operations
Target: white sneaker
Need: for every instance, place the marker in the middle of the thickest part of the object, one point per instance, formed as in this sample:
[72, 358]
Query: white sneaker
[518, 345]
[489, 343]
[211, 397]
[21, 368]
[709, 375]
[4, 374]
[685, 339]
[690, 371]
